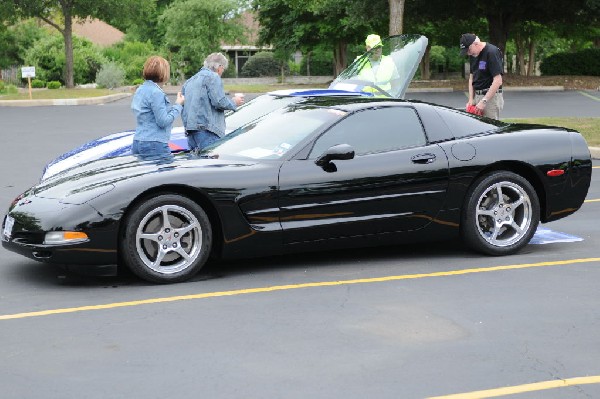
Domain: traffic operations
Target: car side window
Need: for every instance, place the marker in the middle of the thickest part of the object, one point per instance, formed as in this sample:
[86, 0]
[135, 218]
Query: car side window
[374, 130]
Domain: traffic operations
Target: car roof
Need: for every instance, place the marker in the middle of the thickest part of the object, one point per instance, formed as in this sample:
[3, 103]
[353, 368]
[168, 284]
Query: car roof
[348, 104]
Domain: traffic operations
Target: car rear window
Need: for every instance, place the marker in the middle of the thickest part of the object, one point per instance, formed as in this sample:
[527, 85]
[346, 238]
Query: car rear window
[463, 125]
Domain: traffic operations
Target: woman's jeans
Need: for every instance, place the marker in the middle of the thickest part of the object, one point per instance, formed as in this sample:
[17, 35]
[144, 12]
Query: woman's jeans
[152, 150]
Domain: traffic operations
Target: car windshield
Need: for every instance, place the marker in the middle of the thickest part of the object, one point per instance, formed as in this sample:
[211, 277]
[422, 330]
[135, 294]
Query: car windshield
[256, 108]
[387, 69]
[274, 135]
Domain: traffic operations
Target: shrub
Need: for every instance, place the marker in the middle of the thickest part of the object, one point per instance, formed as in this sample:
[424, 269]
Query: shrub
[261, 64]
[38, 84]
[231, 71]
[11, 89]
[131, 55]
[48, 55]
[53, 85]
[111, 75]
[584, 62]
[321, 63]
[2, 86]
[138, 82]
[294, 68]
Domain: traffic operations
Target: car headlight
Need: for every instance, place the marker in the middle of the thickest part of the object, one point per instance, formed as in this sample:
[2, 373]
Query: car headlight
[64, 237]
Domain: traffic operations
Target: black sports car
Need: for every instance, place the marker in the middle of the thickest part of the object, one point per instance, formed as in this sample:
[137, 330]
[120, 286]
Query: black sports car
[319, 173]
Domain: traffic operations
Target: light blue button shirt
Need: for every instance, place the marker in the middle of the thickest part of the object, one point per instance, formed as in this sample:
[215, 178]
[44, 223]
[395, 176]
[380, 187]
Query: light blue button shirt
[205, 103]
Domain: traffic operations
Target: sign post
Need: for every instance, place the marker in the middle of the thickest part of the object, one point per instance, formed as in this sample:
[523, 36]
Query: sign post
[28, 72]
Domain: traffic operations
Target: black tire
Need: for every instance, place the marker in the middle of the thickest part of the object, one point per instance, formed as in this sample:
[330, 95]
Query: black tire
[500, 227]
[167, 239]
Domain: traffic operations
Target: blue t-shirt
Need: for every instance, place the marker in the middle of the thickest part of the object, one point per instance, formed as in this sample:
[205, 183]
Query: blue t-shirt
[485, 66]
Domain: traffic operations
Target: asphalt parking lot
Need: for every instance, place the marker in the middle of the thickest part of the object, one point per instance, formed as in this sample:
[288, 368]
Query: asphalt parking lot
[394, 322]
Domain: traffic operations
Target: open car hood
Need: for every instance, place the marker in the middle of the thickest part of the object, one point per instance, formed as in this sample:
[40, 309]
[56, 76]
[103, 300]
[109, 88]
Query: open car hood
[385, 70]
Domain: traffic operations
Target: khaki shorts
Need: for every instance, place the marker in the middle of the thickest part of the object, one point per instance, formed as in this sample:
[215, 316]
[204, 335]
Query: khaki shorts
[493, 106]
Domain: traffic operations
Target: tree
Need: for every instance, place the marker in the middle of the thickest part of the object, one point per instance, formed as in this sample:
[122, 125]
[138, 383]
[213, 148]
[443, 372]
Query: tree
[304, 24]
[144, 26]
[60, 14]
[195, 28]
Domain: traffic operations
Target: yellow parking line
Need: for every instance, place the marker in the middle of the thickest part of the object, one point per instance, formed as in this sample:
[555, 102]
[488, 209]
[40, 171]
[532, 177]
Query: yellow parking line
[290, 287]
[538, 386]
[594, 200]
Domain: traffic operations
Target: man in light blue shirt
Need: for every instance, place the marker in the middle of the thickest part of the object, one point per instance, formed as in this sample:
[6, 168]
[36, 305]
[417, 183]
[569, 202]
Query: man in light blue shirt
[204, 111]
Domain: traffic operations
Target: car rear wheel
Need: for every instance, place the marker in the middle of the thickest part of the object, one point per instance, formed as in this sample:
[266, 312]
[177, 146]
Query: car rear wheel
[501, 214]
[167, 239]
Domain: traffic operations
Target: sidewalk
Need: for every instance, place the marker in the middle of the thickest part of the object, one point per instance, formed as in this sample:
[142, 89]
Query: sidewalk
[64, 101]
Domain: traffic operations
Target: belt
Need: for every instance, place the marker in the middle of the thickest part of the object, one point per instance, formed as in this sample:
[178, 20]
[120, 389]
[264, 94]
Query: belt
[478, 92]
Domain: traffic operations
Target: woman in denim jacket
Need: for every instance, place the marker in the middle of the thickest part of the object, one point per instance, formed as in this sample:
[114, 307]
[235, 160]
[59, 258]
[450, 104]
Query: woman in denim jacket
[154, 113]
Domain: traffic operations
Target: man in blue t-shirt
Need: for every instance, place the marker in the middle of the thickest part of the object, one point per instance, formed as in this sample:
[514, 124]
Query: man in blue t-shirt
[485, 78]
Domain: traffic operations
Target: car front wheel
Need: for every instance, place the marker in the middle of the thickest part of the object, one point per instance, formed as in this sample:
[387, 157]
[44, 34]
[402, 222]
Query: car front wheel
[501, 214]
[167, 239]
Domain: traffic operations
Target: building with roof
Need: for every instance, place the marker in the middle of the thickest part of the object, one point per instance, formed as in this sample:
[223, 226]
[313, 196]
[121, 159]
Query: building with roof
[239, 52]
[97, 31]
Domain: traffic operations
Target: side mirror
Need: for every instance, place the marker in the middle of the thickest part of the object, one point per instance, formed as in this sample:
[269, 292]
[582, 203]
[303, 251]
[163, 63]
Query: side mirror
[337, 152]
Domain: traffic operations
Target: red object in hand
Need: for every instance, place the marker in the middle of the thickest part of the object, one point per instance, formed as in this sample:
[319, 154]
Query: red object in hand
[474, 110]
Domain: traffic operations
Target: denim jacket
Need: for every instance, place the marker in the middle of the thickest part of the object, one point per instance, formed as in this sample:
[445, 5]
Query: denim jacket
[205, 103]
[154, 113]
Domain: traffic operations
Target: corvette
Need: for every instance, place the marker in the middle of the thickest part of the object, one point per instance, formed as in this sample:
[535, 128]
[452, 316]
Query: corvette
[319, 173]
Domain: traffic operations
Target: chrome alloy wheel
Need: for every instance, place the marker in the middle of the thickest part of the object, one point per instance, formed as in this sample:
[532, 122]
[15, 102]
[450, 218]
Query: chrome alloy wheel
[504, 214]
[168, 239]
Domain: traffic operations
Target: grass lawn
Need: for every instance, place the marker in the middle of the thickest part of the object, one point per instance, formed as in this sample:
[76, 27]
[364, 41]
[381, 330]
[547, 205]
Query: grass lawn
[588, 127]
[46, 94]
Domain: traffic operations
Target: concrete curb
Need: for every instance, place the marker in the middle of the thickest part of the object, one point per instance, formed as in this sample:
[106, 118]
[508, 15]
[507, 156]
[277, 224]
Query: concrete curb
[595, 151]
[64, 101]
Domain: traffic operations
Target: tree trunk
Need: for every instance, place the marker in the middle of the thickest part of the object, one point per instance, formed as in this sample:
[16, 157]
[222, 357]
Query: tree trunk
[340, 57]
[531, 66]
[396, 16]
[425, 64]
[68, 36]
[520, 47]
[499, 26]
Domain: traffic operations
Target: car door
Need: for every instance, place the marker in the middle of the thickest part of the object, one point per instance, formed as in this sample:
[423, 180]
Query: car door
[395, 182]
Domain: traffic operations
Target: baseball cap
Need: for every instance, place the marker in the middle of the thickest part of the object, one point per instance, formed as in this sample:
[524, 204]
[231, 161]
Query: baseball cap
[373, 41]
[465, 41]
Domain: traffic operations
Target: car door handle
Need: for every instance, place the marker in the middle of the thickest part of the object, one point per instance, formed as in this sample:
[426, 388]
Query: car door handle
[423, 158]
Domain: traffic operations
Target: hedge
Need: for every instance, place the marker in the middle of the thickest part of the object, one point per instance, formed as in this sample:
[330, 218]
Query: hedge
[585, 62]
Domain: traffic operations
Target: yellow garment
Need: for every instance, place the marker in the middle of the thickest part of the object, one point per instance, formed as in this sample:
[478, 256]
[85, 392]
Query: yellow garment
[379, 72]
